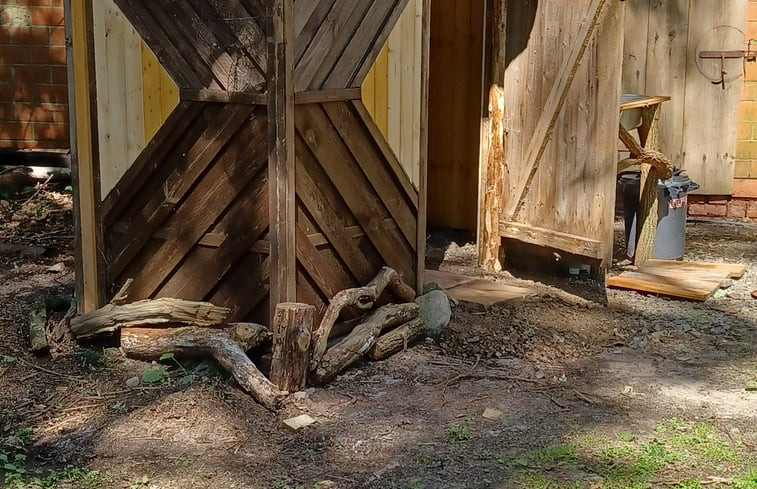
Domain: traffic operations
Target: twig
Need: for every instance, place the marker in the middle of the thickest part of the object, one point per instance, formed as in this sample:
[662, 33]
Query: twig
[583, 397]
[461, 376]
[39, 189]
[51, 372]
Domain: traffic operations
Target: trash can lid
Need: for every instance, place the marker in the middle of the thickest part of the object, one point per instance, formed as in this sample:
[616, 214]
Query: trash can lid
[680, 181]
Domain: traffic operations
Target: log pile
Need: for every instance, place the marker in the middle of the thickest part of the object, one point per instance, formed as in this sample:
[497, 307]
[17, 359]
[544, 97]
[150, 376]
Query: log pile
[151, 328]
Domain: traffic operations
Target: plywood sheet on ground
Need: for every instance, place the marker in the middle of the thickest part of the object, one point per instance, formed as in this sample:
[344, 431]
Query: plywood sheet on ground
[686, 280]
[471, 289]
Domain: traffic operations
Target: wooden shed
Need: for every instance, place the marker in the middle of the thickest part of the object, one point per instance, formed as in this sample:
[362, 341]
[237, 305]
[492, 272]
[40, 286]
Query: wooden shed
[251, 152]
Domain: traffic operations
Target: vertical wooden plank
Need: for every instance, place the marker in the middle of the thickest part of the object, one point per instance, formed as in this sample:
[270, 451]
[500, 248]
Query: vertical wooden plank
[281, 161]
[709, 138]
[491, 162]
[81, 158]
[368, 92]
[635, 45]
[382, 90]
[407, 89]
[425, 44]
[394, 90]
[667, 68]
[151, 92]
[134, 117]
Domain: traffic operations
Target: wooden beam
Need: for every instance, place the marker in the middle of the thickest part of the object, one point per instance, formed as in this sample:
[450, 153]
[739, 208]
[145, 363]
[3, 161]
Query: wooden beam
[207, 95]
[646, 222]
[423, 159]
[323, 96]
[578, 245]
[88, 232]
[281, 160]
[492, 156]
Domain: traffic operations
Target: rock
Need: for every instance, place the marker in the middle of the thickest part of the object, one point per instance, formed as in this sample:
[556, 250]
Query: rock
[435, 311]
[132, 382]
[298, 423]
[301, 395]
[326, 485]
[57, 268]
[492, 414]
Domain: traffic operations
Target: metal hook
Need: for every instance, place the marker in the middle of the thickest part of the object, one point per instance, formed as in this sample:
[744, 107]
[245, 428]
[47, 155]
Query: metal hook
[723, 73]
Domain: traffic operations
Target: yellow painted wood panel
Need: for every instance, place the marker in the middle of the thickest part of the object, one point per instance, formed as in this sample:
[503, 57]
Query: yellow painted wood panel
[85, 169]
[160, 93]
[392, 91]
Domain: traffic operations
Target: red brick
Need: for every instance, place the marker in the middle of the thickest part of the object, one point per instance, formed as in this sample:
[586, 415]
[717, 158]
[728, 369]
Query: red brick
[57, 36]
[15, 55]
[48, 132]
[31, 74]
[736, 209]
[5, 36]
[751, 209]
[50, 55]
[15, 130]
[696, 209]
[46, 16]
[30, 36]
[59, 75]
[716, 210]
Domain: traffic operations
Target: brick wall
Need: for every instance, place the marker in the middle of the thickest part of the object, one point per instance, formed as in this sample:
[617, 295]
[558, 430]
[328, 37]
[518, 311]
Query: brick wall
[33, 93]
[743, 203]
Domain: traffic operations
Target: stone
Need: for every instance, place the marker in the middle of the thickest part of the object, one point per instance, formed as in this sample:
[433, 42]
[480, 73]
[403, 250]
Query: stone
[301, 395]
[57, 268]
[435, 311]
[492, 414]
[132, 382]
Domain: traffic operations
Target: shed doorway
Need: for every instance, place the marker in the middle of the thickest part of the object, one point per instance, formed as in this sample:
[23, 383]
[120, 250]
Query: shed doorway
[456, 56]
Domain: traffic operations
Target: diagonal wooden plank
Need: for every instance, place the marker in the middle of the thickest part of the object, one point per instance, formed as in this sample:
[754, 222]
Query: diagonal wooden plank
[376, 169]
[329, 149]
[243, 224]
[324, 42]
[378, 43]
[328, 209]
[362, 43]
[212, 195]
[553, 107]
[329, 279]
[156, 150]
[170, 57]
[383, 146]
[183, 38]
[344, 38]
[182, 178]
[231, 20]
[244, 288]
[233, 70]
[307, 21]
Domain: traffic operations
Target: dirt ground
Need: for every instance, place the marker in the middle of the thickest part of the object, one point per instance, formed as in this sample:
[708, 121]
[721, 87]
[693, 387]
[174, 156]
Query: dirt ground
[596, 389]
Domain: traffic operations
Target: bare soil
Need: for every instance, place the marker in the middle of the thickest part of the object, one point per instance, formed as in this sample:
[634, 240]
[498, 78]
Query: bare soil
[596, 389]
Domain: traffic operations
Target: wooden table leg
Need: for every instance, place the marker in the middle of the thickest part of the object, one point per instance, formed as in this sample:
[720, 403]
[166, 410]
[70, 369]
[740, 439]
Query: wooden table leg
[646, 221]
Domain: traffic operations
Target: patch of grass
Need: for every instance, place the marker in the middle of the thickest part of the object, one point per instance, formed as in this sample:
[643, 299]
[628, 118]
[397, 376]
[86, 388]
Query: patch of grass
[702, 441]
[690, 484]
[548, 457]
[71, 476]
[90, 359]
[747, 480]
[459, 432]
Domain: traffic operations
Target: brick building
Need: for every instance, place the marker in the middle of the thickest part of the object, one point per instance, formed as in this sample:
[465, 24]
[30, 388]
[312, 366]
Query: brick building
[33, 91]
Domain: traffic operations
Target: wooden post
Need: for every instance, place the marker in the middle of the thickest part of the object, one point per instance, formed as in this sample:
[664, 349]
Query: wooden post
[292, 332]
[491, 162]
[423, 160]
[646, 223]
[281, 162]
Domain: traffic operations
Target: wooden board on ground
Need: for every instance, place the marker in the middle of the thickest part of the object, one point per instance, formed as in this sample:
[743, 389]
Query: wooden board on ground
[446, 280]
[687, 280]
[472, 289]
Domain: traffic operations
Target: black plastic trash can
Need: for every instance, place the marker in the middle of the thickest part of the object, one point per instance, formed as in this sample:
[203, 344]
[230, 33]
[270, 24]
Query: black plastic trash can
[670, 240]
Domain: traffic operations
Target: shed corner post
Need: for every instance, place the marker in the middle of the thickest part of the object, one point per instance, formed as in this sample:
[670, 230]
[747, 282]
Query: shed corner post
[89, 263]
[492, 150]
[422, 216]
[281, 159]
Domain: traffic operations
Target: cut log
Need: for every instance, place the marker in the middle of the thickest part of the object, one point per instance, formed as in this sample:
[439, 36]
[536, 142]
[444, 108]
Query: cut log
[37, 327]
[292, 330]
[147, 312]
[227, 346]
[397, 339]
[151, 343]
[362, 298]
[362, 339]
[231, 357]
